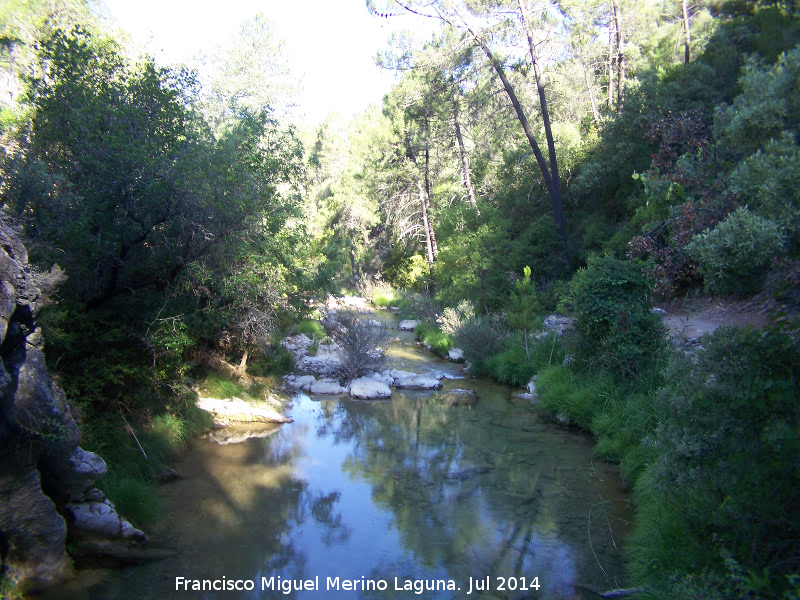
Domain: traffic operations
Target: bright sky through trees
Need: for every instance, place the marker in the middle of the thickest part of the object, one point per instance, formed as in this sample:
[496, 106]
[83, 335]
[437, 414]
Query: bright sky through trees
[331, 42]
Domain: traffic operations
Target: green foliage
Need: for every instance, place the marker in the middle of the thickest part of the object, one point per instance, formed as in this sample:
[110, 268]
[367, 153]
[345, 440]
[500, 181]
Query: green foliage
[311, 328]
[611, 305]
[430, 335]
[579, 400]
[518, 363]
[386, 298]
[525, 309]
[481, 337]
[134, 497]
[734, 257]
[721, 495]
[217, 386]
[275, 363]
[406, 272]
[760, 129]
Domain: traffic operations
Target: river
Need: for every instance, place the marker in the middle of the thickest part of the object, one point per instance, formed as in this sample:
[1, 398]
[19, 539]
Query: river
[381, 499]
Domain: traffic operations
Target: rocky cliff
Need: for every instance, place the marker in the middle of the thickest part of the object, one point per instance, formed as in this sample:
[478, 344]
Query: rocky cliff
[47, 491]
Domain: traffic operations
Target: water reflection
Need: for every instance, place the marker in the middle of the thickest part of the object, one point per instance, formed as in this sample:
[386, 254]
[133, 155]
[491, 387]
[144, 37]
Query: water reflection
[400, 490]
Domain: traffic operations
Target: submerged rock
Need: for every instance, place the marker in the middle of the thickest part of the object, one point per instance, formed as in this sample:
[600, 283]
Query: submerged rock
[457, 397]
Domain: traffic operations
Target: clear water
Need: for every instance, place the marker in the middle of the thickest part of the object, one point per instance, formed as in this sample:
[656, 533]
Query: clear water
[402, 492]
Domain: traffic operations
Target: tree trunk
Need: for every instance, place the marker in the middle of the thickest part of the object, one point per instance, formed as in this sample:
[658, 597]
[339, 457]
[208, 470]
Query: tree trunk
[558, 206]
[687, 38]
[429, 237]
[595, 113]
[620, 54]
[467, 180]
[427, 198]
[242, 365]
[611, 60]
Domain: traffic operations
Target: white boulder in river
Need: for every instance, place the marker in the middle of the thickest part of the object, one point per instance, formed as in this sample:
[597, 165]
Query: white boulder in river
[370, 388]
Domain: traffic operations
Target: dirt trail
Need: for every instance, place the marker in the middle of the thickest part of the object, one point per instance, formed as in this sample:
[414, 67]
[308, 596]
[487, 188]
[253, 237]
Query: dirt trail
[689, 319]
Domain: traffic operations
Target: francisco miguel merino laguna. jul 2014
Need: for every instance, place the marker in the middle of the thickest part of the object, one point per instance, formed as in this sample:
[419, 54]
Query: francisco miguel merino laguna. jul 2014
[286, 586]
[417, 586]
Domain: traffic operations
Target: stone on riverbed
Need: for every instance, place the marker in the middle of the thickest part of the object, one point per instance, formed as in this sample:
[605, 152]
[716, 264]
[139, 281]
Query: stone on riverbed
[455, 354]
[408, 324]
[300, 382]
[327, 387]
[457, 397]
[370, 387]
[407, 380]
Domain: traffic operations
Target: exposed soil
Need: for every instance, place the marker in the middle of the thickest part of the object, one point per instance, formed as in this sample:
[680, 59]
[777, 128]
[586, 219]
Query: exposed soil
[691, 317]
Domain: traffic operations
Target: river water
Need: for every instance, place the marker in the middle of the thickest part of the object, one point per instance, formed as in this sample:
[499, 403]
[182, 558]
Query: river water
[488, 501]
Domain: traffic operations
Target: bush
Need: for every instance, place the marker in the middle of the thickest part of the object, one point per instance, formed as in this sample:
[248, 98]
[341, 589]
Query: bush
[512, 366]
[735, 256]
[727, 474]
[610, 302]
[481, 337]
[359, 341]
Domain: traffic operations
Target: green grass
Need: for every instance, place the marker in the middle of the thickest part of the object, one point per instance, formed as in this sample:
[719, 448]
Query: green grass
[135, 497]
[386, 298]
[311, 328]
[431, 335]
[217, 386]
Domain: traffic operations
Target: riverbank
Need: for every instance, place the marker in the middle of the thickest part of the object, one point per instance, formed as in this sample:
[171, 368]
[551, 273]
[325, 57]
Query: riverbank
[407, 487]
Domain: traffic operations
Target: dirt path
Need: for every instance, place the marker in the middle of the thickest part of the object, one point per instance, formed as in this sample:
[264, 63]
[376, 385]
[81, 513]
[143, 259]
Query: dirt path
[689, 319]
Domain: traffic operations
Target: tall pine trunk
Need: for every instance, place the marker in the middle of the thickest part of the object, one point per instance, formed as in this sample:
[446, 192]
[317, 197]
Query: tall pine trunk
[465, 170]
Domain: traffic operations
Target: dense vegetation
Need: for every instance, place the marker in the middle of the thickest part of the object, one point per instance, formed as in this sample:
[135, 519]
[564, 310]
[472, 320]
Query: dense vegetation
[581, 157]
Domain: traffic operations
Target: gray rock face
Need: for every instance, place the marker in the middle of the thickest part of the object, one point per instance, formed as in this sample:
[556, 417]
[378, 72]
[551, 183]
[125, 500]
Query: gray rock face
[41, 465]
[560, 325]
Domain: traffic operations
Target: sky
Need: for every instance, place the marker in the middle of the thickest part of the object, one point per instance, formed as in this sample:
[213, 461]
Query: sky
[331, 43]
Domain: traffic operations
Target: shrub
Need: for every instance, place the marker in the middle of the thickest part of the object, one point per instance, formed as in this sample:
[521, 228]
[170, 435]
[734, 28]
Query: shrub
[512, 366]
[610, 302]
[481, 337]
[519, 363]
[452, 319]
[359, 341]
[735, 256]
[727, 473]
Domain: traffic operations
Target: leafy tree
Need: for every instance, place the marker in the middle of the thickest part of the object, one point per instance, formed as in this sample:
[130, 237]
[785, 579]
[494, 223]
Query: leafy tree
[250, 73]
[122, 184]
